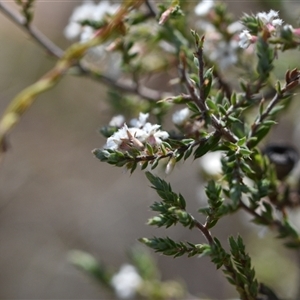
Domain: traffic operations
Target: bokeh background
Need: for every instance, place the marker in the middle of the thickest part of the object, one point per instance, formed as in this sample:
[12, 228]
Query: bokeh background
[56, 197]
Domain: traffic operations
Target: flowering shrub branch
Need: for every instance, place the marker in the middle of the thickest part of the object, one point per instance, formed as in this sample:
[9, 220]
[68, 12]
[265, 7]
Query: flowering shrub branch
[153, 39]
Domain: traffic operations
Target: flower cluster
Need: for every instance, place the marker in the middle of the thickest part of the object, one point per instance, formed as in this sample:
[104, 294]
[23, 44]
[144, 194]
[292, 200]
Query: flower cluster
[221, 51]
[269, 22]
[270, 19]
[268, 25]
[87, 11]
[136, 137]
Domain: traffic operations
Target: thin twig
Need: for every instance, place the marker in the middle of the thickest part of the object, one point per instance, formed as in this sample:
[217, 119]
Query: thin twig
[275, 223]
[200, 100]
[190, 87]
[201, 104]
[205, 232]
[131, 87]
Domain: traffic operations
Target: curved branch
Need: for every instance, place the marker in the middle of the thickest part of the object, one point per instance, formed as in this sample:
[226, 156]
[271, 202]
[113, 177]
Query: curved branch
[71, 57]
[54, 50]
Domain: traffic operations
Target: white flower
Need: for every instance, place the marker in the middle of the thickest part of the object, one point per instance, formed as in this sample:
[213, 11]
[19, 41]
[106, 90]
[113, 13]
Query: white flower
[155, 136]
[125, 138]
[126, 282]
[181, 116]
[270, 18]
[87, 33]
[114, 141]
[152, 134]
[204, 7]
[117, 121]
[245, 39]
[141, 121]
[135, 137]
[211, 163]
[223, 53]
[80, 13]
[87, 11]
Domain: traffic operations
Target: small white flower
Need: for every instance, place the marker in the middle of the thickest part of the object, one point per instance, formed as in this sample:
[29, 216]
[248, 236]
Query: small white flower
[211, 163]
[141, 121]
[204, 7]
[87, 11]
[80, 13]
[117, 121]
[181, 116]
[114, 141]
[135, 137]
[126, 282]
[223, 53]
[270, 18]
[87, 33]
[245, 39]
[154, 135]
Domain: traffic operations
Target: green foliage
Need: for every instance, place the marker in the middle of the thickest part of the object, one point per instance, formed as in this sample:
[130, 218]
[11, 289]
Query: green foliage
[218, 119]
[236, 266]
[169, 247]
[215, 202]
[172, 209]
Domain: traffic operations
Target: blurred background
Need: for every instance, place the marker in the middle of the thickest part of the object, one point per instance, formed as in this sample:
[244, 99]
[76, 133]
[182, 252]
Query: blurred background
[56, 197]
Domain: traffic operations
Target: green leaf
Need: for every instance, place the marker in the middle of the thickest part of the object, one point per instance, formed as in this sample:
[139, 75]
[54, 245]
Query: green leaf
[211, 105]
[209, 145]
[234, 119]
[276, 109]
[241, 141]
[188, 153]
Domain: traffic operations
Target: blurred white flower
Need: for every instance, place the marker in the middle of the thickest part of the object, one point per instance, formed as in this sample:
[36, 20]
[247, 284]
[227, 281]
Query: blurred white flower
[204, 7]
[270, 18]
[181, 116]
[117, 121]
[88, 10]
[211, 163]
[126, 282]
[223, 53]
[245, 39]
[141, 121]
